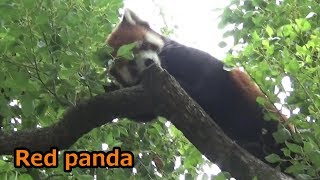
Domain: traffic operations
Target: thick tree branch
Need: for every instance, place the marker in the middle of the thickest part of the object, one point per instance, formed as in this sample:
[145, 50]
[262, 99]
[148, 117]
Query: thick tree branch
[79, 120]
[158, 94]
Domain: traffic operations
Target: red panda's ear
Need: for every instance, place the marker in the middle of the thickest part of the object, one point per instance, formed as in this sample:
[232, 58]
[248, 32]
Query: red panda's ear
[131, 18]
[130, 29]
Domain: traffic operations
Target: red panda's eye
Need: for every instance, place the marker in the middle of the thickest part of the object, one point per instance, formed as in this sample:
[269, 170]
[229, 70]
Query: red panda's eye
[148, 62]
[144, 46]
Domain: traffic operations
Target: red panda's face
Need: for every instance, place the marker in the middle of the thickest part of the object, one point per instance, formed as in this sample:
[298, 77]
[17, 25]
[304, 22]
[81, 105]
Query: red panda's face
[133, 29]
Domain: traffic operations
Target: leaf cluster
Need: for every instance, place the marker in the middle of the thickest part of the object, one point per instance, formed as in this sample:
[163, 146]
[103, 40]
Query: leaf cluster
[279, 47]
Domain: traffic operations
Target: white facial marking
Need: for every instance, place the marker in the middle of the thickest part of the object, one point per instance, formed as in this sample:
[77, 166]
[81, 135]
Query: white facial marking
[154, 39]
[127, 15]
[145, 55]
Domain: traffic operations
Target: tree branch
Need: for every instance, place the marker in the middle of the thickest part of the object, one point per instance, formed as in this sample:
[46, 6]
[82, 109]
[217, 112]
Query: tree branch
[79, 120]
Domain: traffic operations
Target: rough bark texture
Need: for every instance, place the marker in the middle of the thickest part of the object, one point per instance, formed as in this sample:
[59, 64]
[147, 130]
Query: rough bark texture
[158, 94]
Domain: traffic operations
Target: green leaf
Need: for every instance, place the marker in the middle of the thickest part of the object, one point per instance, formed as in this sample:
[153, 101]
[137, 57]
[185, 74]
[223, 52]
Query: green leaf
[273, 158]
[255, 36]
[294, 147]
[303, 24]
[270, 50]
[295, 168]
[302, 51]
[308, 147]
[29, 4]
[4, 166]
[269, 31]
[65, 73]
[109, 139]
[315, 158]
[21, 78]
[221, 176]
[287, 30]
[261, 100]
[158, 127]
[27, 105]
[292, 66]
[125, 51]
[2, 163]
[25, 177]
[286, 152]
[265, 43]
[281, 135]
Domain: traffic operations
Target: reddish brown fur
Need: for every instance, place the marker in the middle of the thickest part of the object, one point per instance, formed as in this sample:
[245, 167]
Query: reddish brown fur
[243, 81]
[251, 91]
[125, 34]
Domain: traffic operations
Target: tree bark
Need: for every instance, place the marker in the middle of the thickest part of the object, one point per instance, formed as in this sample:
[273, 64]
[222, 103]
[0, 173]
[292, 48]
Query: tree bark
[158, 94]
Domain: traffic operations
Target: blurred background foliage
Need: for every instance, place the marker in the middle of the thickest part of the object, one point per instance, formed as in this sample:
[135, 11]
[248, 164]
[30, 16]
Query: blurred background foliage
[50, 60]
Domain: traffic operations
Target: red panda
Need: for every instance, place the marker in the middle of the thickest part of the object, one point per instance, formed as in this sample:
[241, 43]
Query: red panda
[229, 97]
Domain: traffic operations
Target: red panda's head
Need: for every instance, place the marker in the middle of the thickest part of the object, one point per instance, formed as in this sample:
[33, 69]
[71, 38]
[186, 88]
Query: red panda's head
[132, 29]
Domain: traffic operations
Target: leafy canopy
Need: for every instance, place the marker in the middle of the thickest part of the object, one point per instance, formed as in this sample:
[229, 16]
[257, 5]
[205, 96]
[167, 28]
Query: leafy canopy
[280, 43]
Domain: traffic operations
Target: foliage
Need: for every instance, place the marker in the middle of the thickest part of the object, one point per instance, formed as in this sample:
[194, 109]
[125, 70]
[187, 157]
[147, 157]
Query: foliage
[49, 61]
[279, 43]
